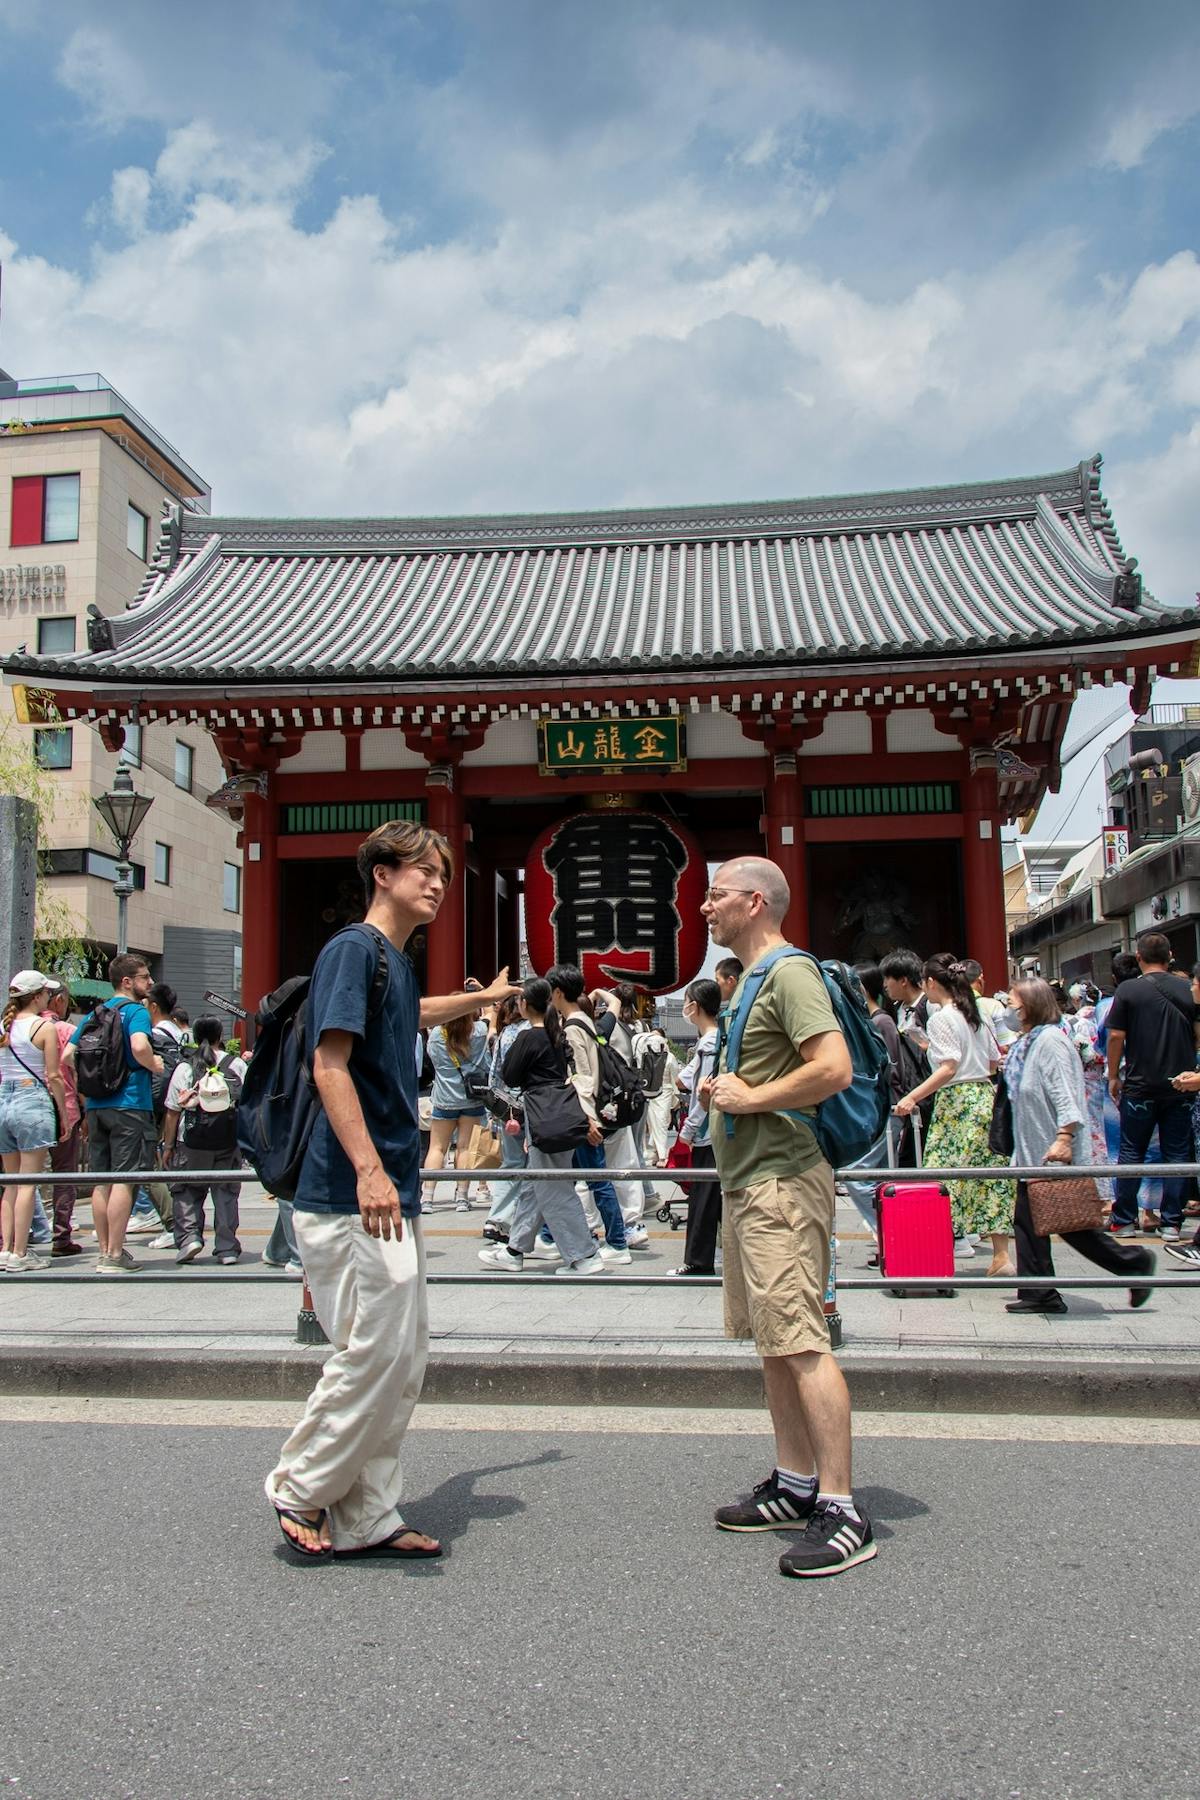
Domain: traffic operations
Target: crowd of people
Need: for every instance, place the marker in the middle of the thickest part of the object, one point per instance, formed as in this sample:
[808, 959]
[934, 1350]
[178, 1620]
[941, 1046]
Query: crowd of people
[130, 1086]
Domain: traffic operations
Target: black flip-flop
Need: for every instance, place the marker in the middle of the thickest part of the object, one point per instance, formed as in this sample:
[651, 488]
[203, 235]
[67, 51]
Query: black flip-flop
[302, 1551]
[390, 1550]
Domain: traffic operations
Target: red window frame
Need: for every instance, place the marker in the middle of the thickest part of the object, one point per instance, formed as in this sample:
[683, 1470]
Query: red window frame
[28, 510]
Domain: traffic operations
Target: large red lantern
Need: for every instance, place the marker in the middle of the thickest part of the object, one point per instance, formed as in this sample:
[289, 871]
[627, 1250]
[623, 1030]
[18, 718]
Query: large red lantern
[619, 893]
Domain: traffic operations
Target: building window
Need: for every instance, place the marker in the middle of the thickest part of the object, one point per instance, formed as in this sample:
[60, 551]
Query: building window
[45, 509]
[137, 531]
[162, 864]
[184, 759]
[96, 862]
[231, 897]
[56, 637]
[52, 747]
[131, 749]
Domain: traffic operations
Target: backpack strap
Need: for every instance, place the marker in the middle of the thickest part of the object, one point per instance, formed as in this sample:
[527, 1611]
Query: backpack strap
[381, 979]
[731, 1028]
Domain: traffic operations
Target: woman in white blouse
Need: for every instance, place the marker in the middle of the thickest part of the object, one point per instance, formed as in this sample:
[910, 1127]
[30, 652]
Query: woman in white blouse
[963, 1055]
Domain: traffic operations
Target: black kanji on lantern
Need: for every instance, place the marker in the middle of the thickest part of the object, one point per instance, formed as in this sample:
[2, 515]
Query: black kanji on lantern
[616, 880]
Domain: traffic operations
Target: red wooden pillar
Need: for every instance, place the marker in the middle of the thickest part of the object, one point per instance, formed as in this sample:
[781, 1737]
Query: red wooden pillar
[445, 967]
[261, 909]
[983, 878]
[785, 838]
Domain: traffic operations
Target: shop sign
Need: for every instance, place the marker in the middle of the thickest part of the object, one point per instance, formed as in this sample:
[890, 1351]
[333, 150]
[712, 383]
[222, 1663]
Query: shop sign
[618, 893]
[24, 587]
[1116, 847]
[609, 746]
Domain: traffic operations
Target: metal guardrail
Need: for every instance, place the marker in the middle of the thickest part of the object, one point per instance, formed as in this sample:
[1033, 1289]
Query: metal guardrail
[912, 1285]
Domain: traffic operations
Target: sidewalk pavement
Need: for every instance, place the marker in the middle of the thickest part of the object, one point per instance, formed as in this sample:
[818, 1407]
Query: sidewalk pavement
[554, 1342]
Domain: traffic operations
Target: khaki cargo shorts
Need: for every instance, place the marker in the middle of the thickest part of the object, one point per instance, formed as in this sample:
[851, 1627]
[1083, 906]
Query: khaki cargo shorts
[776, 1248]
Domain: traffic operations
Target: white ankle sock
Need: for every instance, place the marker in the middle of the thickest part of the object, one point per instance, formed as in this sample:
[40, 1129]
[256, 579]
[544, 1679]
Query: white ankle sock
[804, 1485]
[843, 1502]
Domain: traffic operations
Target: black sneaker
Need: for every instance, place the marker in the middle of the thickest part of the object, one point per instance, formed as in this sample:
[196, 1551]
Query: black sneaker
[769, 1508]
[832, 1542]
[1186, 1251]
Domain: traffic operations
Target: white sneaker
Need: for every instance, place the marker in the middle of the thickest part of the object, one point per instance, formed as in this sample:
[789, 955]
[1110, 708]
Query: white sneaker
[609, 1255]
[189, 1251]
[544, 1252]
[29, 1264]
[462, 1204]
[637, 1237]
[143, 1227]
[499, 1256]
[164, 1241]
[963, 1249]
[295, 1269]
[594, 1265]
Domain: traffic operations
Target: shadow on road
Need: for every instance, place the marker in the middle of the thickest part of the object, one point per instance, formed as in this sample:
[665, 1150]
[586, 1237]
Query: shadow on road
[886, 1503]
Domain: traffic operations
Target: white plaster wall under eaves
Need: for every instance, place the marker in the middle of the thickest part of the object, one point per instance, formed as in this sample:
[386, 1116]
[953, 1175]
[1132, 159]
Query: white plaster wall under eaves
[509, 743]
[913, 729]
[388, 749]
[320, 753]
[843, 734]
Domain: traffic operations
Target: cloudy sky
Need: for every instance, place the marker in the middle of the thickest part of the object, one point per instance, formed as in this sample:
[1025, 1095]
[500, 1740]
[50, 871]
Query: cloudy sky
[538, 253]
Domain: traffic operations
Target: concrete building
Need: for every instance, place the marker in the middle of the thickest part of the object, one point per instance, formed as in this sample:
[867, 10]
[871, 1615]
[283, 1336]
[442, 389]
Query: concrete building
[83, 483]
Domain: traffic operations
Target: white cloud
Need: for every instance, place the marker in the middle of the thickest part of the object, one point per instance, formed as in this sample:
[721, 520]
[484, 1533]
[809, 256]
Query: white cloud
[130, 201]
[652, 353]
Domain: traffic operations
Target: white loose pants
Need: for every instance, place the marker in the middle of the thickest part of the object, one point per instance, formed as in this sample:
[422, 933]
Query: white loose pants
[370, 1296]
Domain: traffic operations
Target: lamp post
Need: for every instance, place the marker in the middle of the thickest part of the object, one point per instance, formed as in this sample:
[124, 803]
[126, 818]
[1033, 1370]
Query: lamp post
[123, 811]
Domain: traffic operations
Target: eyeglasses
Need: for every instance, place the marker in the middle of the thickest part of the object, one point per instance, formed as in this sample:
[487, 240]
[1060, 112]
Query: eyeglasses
[719, 893]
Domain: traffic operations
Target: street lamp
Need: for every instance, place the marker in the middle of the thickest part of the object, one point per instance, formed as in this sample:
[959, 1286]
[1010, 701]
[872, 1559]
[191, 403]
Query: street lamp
[123, 811]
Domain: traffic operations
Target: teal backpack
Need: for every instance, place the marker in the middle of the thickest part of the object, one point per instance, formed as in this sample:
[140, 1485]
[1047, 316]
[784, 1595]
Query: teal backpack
[848, 1124]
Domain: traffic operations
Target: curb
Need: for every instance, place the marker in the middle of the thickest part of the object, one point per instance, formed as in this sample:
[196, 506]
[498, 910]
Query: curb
[877, 1384]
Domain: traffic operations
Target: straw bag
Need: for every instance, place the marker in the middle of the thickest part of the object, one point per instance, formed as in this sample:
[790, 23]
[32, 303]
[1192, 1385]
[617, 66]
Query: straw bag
[1060, 1207]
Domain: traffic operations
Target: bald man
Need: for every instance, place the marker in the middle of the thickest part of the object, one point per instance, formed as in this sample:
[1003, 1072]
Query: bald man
[778, 1223]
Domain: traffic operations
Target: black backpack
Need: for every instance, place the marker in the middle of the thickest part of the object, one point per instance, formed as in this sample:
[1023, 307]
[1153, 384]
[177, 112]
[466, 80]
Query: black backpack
[215, 1131]
[170, 1050]
[101, 1064]
[651, 1063]
[279, 1101]
[620, 1090]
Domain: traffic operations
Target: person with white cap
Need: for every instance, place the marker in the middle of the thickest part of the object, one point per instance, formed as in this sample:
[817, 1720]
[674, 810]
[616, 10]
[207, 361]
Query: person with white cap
[200, 1132]
[33, 1101]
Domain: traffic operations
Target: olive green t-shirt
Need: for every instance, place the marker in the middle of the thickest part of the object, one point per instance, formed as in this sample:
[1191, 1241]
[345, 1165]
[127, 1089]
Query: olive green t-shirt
[792, 1006]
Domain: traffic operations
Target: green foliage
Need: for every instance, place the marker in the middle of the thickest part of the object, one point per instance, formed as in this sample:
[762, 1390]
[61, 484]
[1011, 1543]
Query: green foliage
[58, 932]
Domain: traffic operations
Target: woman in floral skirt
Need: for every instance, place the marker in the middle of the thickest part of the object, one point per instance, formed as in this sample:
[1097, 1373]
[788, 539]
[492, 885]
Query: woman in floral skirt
[963, 1055]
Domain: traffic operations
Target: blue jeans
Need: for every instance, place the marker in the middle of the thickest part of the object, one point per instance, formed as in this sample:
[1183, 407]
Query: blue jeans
[863, 1192]
[1171, 1115]
[591, 1156]
[508, 1193]
[281, 1245]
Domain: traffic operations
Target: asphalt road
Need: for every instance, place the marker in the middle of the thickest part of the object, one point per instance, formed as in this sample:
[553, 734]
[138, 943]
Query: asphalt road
[1028, 1629]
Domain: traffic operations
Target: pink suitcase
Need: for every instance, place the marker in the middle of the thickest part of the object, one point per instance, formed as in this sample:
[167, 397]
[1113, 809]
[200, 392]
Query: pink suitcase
[916, 1235]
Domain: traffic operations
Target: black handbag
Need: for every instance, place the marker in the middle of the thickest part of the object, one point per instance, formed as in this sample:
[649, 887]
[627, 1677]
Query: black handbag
[1001, 1141]
[500, 1106]
[555, 1118]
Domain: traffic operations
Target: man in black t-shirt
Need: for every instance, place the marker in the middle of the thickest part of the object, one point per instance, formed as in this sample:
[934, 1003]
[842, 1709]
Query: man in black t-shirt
[1153, 1024]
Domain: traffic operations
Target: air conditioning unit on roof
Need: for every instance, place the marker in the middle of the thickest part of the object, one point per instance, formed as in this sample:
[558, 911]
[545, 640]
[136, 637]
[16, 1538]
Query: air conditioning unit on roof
[1191, 789]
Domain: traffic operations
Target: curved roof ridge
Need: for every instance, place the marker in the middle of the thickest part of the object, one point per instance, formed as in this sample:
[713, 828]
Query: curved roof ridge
[946, 503]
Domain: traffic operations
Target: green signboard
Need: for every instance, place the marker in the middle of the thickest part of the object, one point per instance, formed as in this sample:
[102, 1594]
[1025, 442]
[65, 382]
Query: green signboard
[612, 745]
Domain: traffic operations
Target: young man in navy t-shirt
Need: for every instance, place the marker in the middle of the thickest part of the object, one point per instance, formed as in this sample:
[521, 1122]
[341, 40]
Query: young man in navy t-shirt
[357, 1209]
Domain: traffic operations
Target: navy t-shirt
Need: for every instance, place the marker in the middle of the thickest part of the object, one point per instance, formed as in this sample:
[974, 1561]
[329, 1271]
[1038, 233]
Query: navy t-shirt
[381, 1067]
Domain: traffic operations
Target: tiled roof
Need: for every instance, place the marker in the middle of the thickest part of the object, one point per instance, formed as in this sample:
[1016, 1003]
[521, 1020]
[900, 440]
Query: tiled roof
[785, 584]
